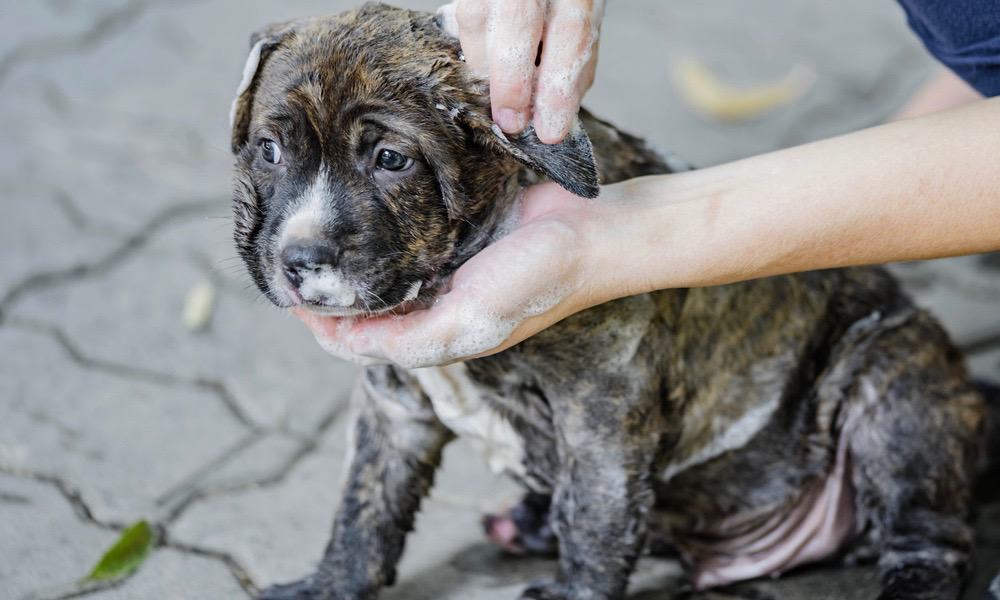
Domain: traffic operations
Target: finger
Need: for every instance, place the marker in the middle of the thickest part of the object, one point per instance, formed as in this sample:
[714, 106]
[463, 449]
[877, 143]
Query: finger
[586, 80]
[472, 17]
[318, 325]
[333, 335]
[515, 30]
[568, 49]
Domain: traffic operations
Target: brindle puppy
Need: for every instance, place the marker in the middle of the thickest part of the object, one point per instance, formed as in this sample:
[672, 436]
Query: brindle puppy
[760, 426]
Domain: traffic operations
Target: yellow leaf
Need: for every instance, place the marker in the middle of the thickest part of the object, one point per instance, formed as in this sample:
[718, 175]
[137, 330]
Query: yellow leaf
[714, 98]
[198, 306]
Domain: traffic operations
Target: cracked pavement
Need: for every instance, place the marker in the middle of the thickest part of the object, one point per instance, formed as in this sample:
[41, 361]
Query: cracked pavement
[115, 181]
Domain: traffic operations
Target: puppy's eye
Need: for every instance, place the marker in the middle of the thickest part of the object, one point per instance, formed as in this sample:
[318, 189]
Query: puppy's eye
[270, 151]
[390, 160]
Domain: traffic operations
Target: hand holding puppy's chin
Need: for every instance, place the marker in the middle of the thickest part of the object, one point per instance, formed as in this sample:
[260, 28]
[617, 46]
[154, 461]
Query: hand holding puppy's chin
[514, 288]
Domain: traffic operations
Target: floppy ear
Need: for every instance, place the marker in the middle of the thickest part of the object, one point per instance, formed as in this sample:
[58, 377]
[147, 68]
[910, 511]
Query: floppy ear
[262, 43]
[570, 163]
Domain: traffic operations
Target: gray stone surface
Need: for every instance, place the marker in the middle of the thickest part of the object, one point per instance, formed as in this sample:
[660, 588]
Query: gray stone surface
[120, 441]
[170, 574]
[114, 177]
[131, 315]
[42, 542]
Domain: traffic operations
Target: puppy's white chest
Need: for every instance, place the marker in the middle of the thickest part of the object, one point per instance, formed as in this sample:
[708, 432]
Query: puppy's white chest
[459, 404]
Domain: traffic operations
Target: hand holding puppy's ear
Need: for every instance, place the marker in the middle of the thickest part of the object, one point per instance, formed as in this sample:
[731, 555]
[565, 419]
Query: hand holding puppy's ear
[540, 57]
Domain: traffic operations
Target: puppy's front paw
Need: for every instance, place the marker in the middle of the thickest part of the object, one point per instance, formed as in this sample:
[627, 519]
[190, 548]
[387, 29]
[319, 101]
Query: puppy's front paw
[304, 589]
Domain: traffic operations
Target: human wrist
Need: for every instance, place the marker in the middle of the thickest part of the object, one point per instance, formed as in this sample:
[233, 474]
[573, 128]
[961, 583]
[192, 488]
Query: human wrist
[680, 230]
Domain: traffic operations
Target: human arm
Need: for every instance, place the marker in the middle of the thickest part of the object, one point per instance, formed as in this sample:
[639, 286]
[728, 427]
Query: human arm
[915, 189]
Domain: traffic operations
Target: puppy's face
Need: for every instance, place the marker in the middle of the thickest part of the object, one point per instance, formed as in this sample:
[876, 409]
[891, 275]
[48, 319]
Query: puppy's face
[366, 167]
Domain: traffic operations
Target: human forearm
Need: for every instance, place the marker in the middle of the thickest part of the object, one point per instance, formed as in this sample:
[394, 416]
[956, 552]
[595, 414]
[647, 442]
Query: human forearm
[915, 189]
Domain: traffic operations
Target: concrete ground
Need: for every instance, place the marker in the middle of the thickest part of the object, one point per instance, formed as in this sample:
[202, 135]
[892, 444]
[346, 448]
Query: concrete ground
[114, 171]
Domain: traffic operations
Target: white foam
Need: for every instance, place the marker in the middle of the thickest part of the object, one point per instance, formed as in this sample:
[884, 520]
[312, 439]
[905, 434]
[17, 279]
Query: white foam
[333, 345]
[479, 328]
[511, 218]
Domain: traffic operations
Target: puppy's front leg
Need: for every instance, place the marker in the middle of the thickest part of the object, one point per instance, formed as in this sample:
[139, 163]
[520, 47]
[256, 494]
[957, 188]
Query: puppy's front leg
[397, 447]
[603, 494]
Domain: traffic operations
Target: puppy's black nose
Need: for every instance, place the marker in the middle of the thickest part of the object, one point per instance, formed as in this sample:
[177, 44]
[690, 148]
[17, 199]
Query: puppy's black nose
[300, 259]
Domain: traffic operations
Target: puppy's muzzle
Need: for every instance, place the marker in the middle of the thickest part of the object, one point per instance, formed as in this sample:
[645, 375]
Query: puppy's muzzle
[311, 268]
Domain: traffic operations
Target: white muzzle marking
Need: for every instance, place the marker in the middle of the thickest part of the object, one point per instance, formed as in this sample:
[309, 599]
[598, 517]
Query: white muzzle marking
[325, 285]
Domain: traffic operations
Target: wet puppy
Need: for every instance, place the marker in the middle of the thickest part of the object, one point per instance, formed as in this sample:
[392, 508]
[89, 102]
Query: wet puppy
[754, 427]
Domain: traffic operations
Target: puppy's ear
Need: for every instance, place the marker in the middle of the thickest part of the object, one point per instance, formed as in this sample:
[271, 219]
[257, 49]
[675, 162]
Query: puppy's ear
[262, 43]
[570, 163]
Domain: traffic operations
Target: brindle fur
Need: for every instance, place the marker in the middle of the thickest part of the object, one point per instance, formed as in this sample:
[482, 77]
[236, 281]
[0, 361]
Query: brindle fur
[614, 397]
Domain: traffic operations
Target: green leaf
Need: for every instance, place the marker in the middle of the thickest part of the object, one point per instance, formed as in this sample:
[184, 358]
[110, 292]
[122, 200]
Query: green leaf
[126, 555]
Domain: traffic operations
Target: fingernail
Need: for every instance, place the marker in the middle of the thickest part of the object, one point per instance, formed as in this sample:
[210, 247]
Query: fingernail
[510, 120]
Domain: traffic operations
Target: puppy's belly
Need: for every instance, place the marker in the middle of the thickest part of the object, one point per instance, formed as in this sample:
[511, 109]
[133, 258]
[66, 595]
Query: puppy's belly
[812, 527]
[460, 405]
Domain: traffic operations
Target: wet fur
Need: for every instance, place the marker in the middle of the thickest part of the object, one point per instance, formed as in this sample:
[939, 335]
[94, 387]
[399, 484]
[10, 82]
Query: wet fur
[612, 399]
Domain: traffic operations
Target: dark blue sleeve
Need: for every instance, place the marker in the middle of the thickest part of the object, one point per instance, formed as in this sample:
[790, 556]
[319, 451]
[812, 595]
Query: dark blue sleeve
[962, 34]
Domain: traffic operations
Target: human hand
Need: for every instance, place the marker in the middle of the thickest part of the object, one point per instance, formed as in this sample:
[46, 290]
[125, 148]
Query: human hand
[528, 280]
[500, 39]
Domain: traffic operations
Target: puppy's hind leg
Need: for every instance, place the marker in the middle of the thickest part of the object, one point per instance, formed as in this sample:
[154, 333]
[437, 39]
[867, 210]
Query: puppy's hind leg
[397, 447]
[914, 427]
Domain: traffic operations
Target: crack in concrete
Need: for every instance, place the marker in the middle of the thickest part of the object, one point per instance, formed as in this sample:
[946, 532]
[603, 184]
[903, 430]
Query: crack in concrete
[76, 589]
[982, 344]
[74, 216]
[47, 279]
[72, 495]
[9, 498]
[86, 514]
[81, 359]
[175, 502]
[307, 446]
[53, 46]
[43, 48]
[235, 568]
[77, 218]
[181, 495]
